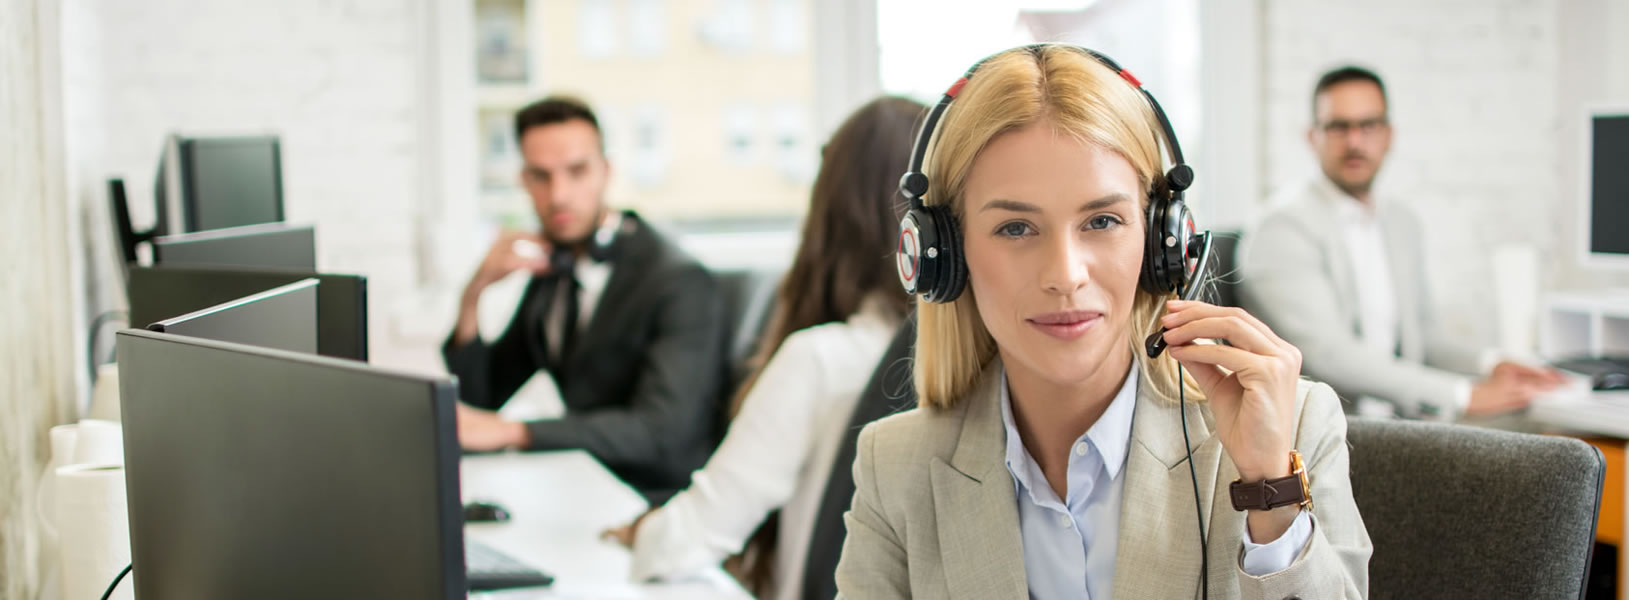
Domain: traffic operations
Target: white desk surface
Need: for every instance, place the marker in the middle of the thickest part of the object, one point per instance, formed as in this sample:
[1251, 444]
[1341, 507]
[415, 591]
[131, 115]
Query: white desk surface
[1580, 410]
[560, 502]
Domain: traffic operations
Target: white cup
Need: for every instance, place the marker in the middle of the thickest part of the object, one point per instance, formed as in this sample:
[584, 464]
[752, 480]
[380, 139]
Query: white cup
[99, 442]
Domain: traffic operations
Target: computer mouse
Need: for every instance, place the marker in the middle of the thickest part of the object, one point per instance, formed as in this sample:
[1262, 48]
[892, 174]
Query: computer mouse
[481, 511]
[1611, 381]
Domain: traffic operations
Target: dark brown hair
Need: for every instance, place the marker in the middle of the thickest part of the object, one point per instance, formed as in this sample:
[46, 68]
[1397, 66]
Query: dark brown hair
[556, 109]
[1343, 75]
[846, 255]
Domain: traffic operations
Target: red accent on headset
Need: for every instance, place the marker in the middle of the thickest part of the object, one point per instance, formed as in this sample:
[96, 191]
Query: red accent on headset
[956, 88]
[1126, 75]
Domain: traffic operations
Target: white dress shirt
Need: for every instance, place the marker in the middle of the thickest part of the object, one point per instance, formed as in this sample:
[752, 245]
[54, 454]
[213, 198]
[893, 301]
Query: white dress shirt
[777, 454]
[1376, 294]
[1070, 544]
[592, 276]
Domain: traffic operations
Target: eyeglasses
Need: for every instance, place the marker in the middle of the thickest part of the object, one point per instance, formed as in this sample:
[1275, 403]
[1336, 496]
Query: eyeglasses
[1366, 127]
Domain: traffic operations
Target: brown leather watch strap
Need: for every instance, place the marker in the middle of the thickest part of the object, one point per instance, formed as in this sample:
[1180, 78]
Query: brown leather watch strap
[1266, 495]
[1273, 493]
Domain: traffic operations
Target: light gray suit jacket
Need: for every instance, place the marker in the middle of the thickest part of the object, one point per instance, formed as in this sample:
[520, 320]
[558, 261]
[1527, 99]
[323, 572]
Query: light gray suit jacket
[1296, 275]
[935, 513]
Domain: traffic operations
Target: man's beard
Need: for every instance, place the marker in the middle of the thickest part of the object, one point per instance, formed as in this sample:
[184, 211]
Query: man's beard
[1356, 189]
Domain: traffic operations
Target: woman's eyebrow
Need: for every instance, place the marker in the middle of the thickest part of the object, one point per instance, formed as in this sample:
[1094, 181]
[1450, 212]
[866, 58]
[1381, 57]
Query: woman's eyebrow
[1105, 202]
[1025, 207]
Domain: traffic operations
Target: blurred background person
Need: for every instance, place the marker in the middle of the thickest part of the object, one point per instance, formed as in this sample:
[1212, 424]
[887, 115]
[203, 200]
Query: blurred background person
[1340, 271]
[837, 308]
[628, 325]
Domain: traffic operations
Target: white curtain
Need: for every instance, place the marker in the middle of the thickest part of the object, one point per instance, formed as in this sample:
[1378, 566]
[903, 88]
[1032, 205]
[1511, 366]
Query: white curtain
[36, 297]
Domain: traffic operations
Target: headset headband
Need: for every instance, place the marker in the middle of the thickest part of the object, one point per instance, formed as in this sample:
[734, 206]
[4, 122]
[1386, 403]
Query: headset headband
[914, 183]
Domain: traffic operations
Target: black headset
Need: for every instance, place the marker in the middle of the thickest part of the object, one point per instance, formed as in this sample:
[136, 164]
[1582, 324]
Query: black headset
[929, 256]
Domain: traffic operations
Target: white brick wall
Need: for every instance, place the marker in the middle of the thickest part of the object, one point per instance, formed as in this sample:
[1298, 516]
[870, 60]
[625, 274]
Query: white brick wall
[1472, 86]
[339, 80]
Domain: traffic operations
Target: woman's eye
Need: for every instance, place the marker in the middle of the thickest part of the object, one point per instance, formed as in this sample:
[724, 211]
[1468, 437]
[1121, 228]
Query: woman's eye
[1014, 229]
[1102, 222]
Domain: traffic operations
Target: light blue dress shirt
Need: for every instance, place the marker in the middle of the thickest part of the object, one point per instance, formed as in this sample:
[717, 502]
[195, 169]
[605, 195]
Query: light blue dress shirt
[1070, 544]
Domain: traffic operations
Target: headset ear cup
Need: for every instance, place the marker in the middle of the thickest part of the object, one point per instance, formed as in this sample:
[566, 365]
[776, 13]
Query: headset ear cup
[955, 267]
[1151, 281]
[919, 225]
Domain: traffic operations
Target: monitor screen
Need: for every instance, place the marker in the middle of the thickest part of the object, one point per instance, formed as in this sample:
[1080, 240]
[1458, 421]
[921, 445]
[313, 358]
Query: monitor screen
[158, 293]
[284, 318]
[261, 474]
[231, 182]
[273, 245]
[1609, 185]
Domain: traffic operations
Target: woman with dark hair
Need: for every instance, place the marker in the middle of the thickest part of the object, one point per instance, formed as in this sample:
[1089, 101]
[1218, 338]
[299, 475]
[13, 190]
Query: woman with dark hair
[837, 308]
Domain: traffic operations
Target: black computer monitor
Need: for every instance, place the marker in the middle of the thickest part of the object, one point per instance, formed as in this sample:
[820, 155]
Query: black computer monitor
[1608, 190]
[283, 317]
[256, 473]
[275, 245]
[205, 183]
[230, 182]
[158, 293]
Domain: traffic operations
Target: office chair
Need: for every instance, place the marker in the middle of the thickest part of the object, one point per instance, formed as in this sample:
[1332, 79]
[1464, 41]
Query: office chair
[889, 391]
[1464, 512]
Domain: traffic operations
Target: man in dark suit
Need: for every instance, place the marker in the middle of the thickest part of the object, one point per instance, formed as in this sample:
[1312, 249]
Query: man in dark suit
[629, 326]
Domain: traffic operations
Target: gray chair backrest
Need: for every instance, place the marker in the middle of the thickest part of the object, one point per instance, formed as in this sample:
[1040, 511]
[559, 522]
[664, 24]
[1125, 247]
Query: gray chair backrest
[748, 296]
[1464, 512]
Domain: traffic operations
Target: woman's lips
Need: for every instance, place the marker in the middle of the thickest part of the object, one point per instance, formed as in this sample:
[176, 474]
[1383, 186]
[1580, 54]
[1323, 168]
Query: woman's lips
[1067, 325]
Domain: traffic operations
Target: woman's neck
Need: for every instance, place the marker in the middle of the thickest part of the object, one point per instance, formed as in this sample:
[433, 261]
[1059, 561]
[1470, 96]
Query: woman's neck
[1051, 416]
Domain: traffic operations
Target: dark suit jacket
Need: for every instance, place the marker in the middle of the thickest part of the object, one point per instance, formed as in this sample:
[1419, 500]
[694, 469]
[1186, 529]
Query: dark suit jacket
[643, 386]
[890, 390]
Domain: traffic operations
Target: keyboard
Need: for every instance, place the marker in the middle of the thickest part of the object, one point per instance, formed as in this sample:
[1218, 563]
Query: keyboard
[489, 569]
[1593, 366]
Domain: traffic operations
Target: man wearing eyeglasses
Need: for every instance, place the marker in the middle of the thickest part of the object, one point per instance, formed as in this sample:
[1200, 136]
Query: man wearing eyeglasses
[1339, 271]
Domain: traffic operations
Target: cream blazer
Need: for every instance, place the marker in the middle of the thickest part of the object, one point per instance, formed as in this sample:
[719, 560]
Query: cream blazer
[935, 514]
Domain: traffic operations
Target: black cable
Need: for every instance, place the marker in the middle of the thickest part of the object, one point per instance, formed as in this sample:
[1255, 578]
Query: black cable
[115, 585]
[1199, 513]
[95, 328]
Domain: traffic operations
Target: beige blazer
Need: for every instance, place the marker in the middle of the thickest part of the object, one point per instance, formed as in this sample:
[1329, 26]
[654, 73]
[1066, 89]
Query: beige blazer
[935, 514]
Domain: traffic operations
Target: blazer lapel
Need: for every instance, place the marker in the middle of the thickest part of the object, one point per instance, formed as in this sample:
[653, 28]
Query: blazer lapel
[1158, 554]
[975, 504]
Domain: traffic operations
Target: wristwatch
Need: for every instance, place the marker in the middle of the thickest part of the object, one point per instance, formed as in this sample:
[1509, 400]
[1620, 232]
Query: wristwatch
[1273, 493]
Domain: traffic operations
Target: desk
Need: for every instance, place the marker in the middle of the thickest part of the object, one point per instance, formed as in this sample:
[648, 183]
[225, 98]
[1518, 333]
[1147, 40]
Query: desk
[1602, 414]
[559, 503]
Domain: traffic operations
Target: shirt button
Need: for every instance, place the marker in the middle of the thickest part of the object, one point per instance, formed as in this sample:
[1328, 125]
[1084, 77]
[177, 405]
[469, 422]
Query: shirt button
[1080, 449]
[1065, 521]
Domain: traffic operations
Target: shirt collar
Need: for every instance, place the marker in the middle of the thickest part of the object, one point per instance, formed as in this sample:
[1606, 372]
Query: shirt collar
[1110, 435]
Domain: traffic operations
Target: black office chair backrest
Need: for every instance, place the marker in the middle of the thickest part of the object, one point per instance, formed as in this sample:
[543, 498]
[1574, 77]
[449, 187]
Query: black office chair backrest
[889, 391]
[1465, 512]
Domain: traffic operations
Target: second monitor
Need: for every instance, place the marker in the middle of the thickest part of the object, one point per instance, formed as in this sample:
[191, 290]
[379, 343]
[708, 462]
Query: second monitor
[284, 318]
[158, 293]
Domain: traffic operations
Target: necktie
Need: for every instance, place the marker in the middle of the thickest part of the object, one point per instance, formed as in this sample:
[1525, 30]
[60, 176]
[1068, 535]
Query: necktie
[568, 325]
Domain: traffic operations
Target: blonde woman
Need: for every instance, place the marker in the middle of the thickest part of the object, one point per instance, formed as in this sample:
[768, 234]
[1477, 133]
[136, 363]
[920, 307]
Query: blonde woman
[1051, 456]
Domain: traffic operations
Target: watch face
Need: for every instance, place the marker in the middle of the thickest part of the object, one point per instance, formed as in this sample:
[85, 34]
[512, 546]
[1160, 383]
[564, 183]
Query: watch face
[907, 258]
